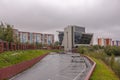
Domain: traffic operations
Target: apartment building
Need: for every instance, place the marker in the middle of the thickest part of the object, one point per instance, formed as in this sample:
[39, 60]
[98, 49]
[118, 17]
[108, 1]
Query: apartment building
[33, 38]
[104, 41]
[101, 41]
[116, 43]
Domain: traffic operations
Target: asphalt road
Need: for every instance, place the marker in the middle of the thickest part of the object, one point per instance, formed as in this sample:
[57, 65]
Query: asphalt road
[57, 67]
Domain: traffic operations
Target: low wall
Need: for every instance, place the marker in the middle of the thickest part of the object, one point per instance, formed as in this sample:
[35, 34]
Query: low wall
[10, 71]
[92, 69]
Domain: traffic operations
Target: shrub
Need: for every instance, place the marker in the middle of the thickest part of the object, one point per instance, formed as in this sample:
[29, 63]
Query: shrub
[112, 61]
[109, 50]
[104, 55]
[96, 47]
[116, 68]
[82, 49]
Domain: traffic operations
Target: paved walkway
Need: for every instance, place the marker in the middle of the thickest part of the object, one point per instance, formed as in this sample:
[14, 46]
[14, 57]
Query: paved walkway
[57, 67]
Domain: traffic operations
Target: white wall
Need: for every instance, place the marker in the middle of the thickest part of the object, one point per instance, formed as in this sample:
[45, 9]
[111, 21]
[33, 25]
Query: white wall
[67, 39]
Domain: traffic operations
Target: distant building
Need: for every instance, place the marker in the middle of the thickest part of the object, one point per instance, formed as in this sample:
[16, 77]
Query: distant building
[108, 42]
[33, 38]
[116, 43]
[104, 41]
[75, 36]
[101, 41]
[15, 35]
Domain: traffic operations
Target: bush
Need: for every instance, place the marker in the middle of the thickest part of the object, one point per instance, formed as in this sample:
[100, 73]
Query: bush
[109, 50]
[82, 49]
[104, 55]
[112, 61]
[116, 68]
[99, 53]
[96, 47]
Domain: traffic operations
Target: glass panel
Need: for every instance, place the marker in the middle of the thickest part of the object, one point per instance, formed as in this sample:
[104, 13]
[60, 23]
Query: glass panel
[82, 38]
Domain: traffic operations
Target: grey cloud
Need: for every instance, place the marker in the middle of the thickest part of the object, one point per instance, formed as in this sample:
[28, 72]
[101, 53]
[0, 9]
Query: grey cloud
[49, 15]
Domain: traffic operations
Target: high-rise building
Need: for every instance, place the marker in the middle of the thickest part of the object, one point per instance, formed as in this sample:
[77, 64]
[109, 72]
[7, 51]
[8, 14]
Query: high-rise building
[75, 36]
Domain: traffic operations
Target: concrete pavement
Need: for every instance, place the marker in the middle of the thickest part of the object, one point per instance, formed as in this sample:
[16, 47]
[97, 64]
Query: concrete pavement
[57, 67]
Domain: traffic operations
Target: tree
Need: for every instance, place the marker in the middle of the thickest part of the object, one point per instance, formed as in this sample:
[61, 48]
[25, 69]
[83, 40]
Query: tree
[9, 33]
[56, 43]
[6, 32]
[2, 29]
[82, 49]
[112, 50]
[108, 50]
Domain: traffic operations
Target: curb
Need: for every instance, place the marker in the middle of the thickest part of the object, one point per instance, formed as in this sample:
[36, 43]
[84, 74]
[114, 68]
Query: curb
[92, 69]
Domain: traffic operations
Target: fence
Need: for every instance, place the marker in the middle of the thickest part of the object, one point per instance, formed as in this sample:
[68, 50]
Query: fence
[5, 46]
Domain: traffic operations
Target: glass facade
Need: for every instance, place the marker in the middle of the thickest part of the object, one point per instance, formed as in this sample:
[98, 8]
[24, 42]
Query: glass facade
[80, 38]
[77, 37]
[79, 29]
[60, 37]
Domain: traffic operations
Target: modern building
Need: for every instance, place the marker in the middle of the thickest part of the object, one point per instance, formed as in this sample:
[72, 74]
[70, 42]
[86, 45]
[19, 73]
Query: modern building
[33, 38]
[75, 36]
[60, 37]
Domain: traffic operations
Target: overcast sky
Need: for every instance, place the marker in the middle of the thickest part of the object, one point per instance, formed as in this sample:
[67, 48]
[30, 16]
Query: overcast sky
[101, 17]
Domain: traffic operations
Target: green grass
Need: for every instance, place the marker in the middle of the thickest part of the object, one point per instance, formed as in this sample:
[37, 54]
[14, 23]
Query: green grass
[102, 72]
[14, 57]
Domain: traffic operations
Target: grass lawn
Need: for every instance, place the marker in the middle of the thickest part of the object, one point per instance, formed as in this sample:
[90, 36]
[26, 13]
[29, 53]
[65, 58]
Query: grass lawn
[14, 57]
[103, 72]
